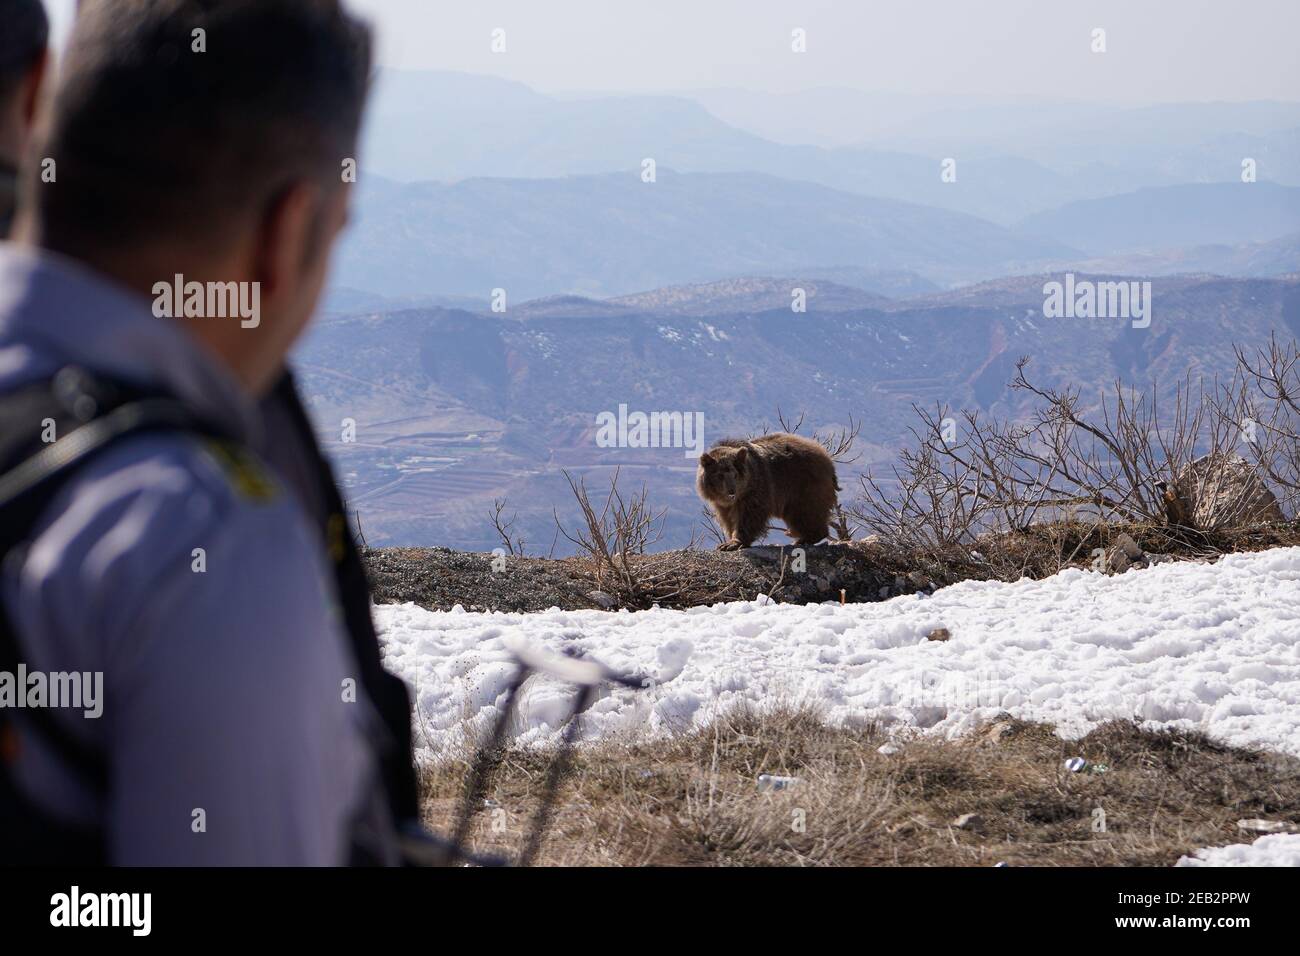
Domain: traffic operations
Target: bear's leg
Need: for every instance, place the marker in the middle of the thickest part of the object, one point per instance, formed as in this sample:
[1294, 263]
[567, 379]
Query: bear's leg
[751, 524]
[727, 524]
[808, 522]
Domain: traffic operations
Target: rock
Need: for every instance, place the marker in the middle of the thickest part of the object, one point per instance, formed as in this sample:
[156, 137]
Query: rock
[889, 748]
[1263, 826]
[938, 634]
[969, 821]
[1132, 550]
[1076, 765]
[998, 732]
[1222, 490]
[1124, 553]
[1116, 561]
[604, 600]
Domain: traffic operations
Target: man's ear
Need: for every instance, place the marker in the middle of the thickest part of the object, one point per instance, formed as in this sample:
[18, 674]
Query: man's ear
[286, 237]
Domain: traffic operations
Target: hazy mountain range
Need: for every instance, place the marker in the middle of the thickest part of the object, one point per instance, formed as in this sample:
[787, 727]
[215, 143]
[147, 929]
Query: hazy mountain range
[1012, 159]
[1172, 217]
[474, 183]
[1167, 138]
[1252, 259]
[614, 234]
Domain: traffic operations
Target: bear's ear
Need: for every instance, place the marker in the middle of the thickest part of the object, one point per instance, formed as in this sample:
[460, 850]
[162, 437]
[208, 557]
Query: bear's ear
[742, 454]
[707, 459]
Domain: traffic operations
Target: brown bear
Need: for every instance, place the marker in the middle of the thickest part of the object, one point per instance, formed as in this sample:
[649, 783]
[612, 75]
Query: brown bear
[776, 476]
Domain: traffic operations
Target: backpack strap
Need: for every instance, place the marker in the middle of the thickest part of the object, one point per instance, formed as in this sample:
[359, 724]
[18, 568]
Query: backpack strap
[86, 416]
[387, 692]
[58, 458]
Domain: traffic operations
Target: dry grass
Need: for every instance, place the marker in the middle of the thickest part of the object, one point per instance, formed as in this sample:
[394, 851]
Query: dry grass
[693, 800]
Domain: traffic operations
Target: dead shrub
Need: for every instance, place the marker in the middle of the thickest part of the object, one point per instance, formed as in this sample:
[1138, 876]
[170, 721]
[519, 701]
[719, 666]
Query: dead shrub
[1129, 460]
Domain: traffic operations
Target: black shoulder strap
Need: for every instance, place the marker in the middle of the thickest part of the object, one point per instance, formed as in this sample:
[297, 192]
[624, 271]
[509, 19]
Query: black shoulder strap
[60, 457]
[84, 416]
[387, 692]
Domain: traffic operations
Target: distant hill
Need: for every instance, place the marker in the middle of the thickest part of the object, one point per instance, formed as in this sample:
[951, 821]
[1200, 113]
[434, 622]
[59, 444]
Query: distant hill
[1276, 257]
[452, 126]
[456, 408]
[343, 300]
[614, 234]
[1015, 157]
[1054, 132]
[890, 283]
[1173, 217]
[746, 294]
[750, 295]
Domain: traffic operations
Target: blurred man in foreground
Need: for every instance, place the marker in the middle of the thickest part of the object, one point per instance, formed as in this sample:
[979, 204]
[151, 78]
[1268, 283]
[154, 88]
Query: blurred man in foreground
[163, 276]
[24, 36]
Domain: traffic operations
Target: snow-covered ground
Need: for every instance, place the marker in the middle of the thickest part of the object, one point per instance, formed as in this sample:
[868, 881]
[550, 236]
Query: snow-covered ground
[1213, 647]
[1278, 849]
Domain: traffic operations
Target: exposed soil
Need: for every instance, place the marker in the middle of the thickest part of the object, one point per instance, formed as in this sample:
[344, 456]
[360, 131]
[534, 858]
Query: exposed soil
[440, 578]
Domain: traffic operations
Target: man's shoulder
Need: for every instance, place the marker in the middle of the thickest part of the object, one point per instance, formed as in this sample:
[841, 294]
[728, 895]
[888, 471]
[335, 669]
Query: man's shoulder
[160, 516]
[171, 485]
[175, 479]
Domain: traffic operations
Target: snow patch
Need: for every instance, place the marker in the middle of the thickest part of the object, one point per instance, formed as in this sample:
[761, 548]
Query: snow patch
[1278, 849]
[1211, 647]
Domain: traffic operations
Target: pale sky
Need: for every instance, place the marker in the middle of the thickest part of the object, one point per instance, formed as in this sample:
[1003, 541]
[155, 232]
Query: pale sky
[1157, 50]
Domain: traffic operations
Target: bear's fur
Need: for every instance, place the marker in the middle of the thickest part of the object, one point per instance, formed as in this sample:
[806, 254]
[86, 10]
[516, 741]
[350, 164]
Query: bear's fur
[784, 476]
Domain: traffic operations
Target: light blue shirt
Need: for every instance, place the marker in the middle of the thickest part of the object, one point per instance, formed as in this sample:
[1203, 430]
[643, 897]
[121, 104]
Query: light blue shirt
[227, 725]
